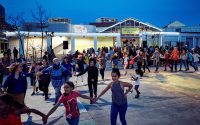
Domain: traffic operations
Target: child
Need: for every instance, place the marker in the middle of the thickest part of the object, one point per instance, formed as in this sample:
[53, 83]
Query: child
[156, 58]
[137, 82]
[92, 77]
[131, 62]
[10, 111]
[119, 98]
[167, 58]
[33, 71]
[196, 57]
[69, 99]
[125, 62]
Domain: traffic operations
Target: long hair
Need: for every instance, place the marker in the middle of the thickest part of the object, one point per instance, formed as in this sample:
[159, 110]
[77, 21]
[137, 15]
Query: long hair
[14, 67]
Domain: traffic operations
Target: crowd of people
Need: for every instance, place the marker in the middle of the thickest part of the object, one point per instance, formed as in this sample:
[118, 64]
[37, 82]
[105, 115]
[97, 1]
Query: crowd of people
[59, 72]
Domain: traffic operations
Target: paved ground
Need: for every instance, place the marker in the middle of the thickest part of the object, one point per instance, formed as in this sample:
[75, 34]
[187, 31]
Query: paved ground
[167, 98]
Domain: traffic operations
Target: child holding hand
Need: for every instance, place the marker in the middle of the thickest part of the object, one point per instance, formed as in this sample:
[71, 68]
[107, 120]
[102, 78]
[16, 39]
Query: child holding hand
[69, 99]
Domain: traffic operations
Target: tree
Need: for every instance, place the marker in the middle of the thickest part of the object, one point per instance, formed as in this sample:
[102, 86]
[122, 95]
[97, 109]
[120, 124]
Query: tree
[16, 22]
[27, 27]
[41, 17]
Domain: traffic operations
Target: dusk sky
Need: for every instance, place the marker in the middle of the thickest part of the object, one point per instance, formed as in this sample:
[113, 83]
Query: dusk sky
[156, 12]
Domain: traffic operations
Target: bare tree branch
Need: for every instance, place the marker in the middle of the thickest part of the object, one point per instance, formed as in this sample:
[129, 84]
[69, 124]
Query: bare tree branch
[41, 17]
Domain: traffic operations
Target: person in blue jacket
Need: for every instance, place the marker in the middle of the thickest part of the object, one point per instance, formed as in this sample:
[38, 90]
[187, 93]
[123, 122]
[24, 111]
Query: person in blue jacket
[16, 83]
[56, 72]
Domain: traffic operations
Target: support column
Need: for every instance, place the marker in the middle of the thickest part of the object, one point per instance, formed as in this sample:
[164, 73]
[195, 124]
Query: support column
[140, 41]
[49, 43]
[119, 41]
[161, 41]
[73, 44]
[95, 43]
[179, 40]
[194, 42]
[21, 46]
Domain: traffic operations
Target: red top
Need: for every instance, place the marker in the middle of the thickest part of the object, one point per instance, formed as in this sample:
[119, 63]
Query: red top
[166, 57]
[175, 55]
[12, 119]
[70, 103]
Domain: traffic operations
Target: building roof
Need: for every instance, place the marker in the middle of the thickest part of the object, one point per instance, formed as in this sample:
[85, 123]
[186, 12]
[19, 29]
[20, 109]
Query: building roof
[102, 24]
[190, 29]
[133, 19]
[175, 24]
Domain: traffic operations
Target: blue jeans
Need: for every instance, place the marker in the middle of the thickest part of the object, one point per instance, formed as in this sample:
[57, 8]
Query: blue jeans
[115, 109]
[183, 62]
[57, 84]
[196, 66]
[73, 121]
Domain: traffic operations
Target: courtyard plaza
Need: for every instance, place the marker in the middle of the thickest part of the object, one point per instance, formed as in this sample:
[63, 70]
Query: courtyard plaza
[166, 98]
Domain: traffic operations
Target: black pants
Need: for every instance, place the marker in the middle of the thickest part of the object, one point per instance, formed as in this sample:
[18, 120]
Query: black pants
[1, 80]
[15, 58]
[92, 88]
[174, 63]
[145, 66]
[102, 72]
[44, 86]
[136, 89]
[139, 64]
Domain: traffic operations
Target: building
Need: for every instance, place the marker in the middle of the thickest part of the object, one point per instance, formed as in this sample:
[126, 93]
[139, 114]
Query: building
[132, 31]
[3, 42]
[64, 20]
[79, 37]
[102, 23]
[106, 19]
[3, 24]
[128, 32]
[186, 35]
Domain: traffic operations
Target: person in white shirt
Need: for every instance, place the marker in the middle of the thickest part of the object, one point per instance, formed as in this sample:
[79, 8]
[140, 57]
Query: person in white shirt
[137, 82]
[125, 62]
[196, 57]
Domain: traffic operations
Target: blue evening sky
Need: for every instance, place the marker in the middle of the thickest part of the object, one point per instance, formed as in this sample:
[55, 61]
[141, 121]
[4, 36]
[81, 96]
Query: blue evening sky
[156, 12]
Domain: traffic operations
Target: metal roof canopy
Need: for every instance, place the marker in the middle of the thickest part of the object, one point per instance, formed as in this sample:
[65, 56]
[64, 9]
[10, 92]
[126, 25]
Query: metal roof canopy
[133, 19]
[172, 34]
[10, 34]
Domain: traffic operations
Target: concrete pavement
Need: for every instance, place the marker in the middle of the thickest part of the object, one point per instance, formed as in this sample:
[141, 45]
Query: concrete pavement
[167, 98]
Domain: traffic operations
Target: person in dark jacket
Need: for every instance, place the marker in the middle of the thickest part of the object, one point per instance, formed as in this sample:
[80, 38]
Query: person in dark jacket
[66, 63]
[44, 79]
[16, 83]
[79, 67]
[92, 77]
[15, 53]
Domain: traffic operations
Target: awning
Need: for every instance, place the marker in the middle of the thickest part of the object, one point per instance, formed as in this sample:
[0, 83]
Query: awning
[3, 39]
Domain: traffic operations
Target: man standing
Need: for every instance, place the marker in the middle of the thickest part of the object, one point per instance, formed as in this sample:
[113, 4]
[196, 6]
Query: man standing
[15, 53]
